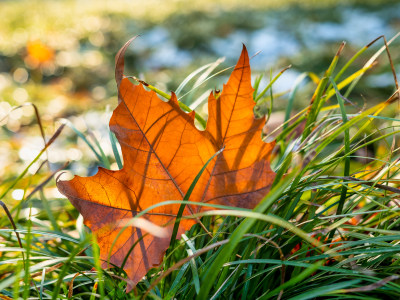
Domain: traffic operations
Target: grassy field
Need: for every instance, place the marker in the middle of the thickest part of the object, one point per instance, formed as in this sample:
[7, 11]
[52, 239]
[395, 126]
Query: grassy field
[329, 228]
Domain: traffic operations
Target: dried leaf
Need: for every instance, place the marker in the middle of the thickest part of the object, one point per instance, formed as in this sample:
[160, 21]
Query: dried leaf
[163, 152]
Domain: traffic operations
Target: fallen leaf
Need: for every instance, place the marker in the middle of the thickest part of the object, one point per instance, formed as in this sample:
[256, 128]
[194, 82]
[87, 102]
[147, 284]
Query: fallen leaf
[163, 152]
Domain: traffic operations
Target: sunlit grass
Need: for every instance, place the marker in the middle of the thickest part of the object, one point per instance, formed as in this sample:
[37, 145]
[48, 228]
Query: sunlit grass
[329, 227]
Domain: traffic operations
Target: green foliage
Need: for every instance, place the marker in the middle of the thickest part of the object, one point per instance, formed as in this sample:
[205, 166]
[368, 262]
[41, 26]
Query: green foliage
[329, 228]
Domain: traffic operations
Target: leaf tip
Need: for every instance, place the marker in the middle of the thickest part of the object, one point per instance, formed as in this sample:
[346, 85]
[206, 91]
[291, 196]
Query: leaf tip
[120, 61]
[192, 115]
[174, 99]
[244, 60]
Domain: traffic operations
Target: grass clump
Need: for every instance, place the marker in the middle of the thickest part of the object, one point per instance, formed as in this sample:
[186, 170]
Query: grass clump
[329, 228]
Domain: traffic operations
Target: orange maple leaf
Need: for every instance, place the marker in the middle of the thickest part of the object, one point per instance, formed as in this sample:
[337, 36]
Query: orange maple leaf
[163, 152]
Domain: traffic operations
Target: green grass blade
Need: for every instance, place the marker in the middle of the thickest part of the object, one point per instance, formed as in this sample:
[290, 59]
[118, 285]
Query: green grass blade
[346, 171]
[190, 77]
[369, 63]
[325, 290]
[114, 147]
[256, 86]
[208, 278]
[187, 196]
[317, 101]
[292, 94]
[104, 159]
[293, 281]
[83, 137]
[272, 81]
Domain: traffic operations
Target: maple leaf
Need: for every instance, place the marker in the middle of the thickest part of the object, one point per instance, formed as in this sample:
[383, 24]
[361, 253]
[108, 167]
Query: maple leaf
[163, 152]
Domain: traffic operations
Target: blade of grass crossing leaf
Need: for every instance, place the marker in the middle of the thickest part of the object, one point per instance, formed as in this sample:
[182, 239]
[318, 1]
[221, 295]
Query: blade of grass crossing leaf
[187, 196]
[127, 254]
[209, 276]
[346, 171]
[197, 116]
[168, 97]
[114, 147]
[169, 202]
[179, 215]
[153, 88]
[183, 205]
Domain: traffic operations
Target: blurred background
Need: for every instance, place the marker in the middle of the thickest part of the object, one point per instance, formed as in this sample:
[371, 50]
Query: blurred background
[59, 55]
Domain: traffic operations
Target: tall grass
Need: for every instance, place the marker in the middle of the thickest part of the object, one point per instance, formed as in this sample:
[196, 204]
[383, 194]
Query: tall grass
[329, 228]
